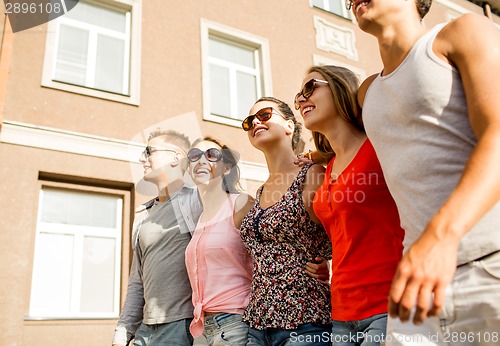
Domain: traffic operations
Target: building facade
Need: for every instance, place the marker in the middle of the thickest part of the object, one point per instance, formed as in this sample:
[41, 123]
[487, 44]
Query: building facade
[78, 98]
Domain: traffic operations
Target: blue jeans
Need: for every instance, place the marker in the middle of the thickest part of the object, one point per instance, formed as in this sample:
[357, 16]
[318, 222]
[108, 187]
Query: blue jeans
[225, 329]
[172, 334]
[370, 331]
[306, 335]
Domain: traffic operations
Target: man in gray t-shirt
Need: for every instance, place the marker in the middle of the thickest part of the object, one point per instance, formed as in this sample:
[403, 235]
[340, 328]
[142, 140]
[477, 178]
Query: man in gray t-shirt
[158, 308]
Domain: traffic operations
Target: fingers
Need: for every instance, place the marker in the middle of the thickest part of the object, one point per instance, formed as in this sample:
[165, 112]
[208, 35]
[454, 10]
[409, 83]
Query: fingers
[423, 304]
[318, 270]
[437, 300]
[396, 293]
[302, 159]
[413, 291]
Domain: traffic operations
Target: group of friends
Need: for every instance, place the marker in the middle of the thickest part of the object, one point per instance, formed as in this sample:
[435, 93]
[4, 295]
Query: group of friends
[401, 197]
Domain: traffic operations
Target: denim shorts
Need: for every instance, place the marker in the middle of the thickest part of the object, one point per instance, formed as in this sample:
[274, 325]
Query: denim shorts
[172, 334]
[225, 329]
[369, 331]
[305, 335]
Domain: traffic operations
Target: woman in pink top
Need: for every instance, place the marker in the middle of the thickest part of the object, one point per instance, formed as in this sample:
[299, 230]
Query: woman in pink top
[218, 265]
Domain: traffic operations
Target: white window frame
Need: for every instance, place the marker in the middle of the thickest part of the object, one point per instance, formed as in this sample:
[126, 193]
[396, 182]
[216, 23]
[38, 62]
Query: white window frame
[326, 7]
[262, 58]
[132, 60]
[78, 233]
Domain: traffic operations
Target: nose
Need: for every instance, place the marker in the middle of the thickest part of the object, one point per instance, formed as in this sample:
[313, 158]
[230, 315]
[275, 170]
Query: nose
[142, 158]
[255, 121]
[299, 99]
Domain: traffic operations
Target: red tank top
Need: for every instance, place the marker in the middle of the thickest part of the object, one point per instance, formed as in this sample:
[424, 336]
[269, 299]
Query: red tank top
[362, 221]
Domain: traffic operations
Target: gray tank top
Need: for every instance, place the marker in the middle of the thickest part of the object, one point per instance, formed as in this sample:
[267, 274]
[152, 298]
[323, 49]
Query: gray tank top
[417, 120]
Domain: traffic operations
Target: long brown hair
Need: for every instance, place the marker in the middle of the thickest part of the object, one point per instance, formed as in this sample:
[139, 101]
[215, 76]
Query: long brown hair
[344, 85]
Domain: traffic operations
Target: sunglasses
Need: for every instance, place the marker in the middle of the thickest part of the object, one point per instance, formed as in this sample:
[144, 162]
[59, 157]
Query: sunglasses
[212, 154]
[149, 150]
[307, 91]
[263, 115]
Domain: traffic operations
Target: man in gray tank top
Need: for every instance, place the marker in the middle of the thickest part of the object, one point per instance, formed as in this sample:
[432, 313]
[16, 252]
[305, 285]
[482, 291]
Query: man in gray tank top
[158, 308]
[433, 116]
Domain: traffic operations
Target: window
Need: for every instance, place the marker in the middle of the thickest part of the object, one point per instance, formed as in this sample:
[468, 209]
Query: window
[91, 50]
[76, 270]
[333, 6]
[235, 72]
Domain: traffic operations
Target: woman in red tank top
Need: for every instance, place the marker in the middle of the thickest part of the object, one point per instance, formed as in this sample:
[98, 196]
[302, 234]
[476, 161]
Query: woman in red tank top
[354, 205]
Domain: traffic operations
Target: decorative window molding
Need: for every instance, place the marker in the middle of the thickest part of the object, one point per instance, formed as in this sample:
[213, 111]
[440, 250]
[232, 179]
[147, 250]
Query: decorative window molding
[335, 39]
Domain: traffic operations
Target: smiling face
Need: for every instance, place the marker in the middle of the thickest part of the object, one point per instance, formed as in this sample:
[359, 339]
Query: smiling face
[203, 170]
[268, 132]
[161, 157]
[318, 110]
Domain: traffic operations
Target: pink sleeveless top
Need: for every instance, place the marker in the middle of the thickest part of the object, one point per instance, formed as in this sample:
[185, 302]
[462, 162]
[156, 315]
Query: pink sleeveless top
[219, 267]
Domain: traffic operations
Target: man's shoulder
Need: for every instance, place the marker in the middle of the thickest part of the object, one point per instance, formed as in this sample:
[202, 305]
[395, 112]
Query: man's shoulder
[146, 206]
[466, 27]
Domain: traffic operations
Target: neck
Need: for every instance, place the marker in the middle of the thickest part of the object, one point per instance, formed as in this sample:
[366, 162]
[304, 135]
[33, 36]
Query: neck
[211, 192]
[396, 41]
[280, 159]
[343, 136]
[212, 198]
[166, 191]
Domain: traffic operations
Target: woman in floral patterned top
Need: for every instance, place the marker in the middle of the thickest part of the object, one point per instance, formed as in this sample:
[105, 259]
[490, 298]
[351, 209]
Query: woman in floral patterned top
[282, 234]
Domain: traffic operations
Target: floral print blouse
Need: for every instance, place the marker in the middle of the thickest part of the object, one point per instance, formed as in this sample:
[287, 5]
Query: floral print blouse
[281, 240]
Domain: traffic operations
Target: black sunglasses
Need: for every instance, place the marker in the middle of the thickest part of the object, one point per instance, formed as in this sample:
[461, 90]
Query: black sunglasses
[307, 91]
[263, 115]
[149, 150]
[212, 154]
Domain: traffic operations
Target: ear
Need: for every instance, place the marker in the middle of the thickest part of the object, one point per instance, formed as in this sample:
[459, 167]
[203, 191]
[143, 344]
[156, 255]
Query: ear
[227, 169]
[290, 127]
[176, 161]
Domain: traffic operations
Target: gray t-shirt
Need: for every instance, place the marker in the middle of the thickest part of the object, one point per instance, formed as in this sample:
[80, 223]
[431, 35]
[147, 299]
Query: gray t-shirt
[167, 291]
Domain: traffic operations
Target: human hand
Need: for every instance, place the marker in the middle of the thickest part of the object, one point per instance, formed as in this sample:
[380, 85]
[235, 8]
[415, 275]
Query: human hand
[303, 159]
[422, 276]
[320, 269]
